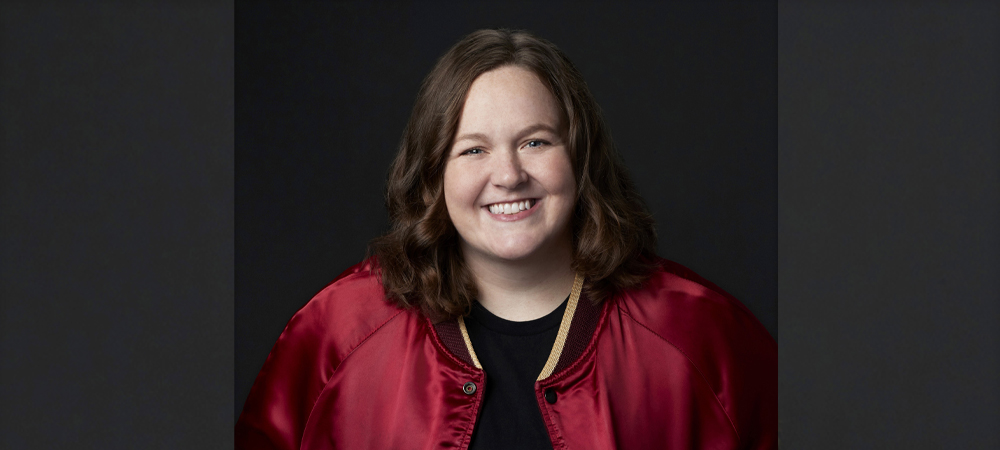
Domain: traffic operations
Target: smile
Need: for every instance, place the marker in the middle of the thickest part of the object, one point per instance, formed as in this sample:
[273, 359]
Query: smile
[511, 208]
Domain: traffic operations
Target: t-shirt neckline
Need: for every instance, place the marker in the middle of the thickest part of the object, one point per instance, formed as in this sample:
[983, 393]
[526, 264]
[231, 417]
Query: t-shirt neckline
[509, 327]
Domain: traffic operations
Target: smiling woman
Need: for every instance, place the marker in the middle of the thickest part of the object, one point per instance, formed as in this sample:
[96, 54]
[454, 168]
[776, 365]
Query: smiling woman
[517, 301]
[505, 117]
[517, 159]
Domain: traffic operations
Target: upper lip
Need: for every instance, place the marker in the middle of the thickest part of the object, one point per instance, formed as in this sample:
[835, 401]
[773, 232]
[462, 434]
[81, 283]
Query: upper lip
[510, 201]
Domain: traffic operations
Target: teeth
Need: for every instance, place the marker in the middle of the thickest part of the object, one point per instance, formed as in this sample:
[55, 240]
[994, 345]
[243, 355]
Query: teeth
[510, 208]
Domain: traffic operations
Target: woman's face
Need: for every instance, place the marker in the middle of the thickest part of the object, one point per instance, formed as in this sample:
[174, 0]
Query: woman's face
[508, 182]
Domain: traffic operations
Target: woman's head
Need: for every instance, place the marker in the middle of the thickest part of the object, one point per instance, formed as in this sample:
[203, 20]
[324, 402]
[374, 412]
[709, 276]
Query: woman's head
[519, 95]
[509, 185]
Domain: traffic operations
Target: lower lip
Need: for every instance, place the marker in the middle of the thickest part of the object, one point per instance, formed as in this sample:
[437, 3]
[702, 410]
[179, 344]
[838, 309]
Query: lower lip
[513, 217]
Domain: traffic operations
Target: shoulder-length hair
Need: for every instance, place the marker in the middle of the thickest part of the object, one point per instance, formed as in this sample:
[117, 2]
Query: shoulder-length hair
[419, 260]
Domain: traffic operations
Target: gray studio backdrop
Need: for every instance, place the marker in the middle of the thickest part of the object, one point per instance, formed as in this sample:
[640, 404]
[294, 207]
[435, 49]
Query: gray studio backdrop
[323, 93]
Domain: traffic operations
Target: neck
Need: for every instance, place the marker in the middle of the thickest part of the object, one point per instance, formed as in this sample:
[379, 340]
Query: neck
[525, 289]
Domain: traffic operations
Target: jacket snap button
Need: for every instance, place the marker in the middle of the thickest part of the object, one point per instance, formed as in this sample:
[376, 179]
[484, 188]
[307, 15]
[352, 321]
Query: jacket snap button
[550, 396]
[469, 388]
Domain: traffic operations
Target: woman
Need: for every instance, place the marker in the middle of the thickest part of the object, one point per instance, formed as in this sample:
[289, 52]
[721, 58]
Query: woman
[517, 301]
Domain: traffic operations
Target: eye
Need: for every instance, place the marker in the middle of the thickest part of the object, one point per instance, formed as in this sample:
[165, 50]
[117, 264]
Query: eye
[472, 151]
[535, 143]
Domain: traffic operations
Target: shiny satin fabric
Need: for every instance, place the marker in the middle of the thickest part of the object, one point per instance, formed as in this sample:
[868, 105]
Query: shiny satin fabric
[675, 364]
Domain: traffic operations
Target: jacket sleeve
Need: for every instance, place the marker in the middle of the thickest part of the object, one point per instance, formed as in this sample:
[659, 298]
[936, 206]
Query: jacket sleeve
[731, 348]
[305, 357]
[757, 410]
[748, 378]
[275, 413]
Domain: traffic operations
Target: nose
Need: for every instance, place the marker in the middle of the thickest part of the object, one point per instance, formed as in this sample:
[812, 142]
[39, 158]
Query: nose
[508, 172]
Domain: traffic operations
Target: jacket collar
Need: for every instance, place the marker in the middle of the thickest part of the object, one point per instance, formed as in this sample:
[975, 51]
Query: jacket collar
[571, 342]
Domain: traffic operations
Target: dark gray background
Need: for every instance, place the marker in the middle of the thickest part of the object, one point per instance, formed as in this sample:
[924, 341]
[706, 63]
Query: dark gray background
[116, 225]
[889, 217]
[116, 250]
[323, 93]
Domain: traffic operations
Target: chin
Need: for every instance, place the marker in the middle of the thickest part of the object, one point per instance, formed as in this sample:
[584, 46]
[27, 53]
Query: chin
[506, 254]
[515, 252]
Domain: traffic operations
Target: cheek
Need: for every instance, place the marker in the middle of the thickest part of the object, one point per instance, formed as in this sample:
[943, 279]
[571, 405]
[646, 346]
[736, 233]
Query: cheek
[459, 191]
[559, 177]
[449, 192]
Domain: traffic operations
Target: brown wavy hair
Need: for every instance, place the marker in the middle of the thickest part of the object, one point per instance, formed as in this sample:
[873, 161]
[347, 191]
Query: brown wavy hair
[419, 260]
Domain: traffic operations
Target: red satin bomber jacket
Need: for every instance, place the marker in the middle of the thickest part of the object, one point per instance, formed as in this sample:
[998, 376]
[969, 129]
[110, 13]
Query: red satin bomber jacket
[675, 364]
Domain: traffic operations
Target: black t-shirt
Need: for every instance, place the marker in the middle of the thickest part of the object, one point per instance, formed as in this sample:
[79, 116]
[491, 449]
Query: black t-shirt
[512, 354]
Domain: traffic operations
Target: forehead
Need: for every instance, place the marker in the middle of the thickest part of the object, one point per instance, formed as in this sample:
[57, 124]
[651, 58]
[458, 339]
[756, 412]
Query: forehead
[506, 98]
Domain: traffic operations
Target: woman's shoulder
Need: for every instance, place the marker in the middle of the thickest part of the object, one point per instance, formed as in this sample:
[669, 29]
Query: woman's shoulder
[729, 348]
[691, 312]
[317, 339]
[345, 312]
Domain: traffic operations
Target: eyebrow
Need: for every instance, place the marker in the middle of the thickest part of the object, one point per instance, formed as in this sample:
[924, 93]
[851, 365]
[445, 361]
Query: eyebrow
[526, 131]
